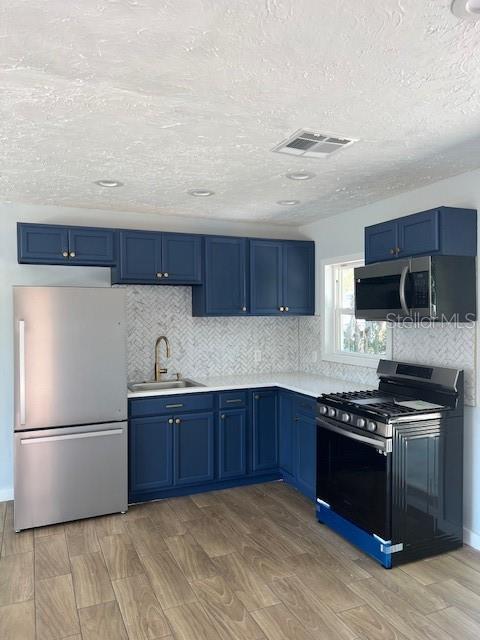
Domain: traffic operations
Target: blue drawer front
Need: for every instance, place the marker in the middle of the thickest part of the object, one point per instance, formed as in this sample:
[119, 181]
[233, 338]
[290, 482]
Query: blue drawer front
[365, 541]
[157, 405]
[232, 399]
[305, 405]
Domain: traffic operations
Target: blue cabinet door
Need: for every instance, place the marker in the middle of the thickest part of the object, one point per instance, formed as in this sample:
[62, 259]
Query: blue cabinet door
[266, 277]
[286, 432]
[381, 242]
[94, 247]
[264, 434]
[139, 259]
[306, 455]
[150, 454]
[419, 234]
[181, 258]
[299, 278]
[224, 291]
[42, 244]
[232, 444]
[193, 445]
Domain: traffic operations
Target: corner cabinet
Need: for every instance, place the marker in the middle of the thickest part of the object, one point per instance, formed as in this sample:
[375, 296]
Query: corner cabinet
[154, 257]
[224, 290]
[183, 444]
[441, 231]
[65, 245]
[282, 277]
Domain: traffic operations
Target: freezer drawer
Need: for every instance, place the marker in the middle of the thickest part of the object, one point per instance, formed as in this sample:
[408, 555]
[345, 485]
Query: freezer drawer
[70, 473]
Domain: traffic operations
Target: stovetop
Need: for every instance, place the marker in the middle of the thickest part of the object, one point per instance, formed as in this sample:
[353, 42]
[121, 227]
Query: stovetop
[380, 404]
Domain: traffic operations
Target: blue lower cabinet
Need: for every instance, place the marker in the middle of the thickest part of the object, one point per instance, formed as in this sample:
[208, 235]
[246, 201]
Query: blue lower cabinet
[150, 454]
[232, 444]
[193, 446]
[306, 455]
[264, 431]
[286, 432]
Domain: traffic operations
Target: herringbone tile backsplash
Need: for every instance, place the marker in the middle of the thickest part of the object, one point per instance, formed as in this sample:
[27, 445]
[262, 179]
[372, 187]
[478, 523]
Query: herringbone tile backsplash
[223, 346]
[203, 346]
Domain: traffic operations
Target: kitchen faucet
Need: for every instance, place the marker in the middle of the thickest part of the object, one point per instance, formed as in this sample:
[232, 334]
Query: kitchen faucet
[160, 370]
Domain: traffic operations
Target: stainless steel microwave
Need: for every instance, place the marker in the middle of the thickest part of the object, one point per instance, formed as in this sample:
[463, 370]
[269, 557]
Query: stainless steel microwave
[440, 288]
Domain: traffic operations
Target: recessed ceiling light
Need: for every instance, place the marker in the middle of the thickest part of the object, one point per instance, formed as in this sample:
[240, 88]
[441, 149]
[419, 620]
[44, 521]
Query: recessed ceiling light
[300, 175]
[466, 9]
[109, 183]
[201, 193]
[288, 203]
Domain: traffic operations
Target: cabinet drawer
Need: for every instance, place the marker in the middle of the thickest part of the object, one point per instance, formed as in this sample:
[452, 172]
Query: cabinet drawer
[306, 406]
[232, 399]
[157, 405]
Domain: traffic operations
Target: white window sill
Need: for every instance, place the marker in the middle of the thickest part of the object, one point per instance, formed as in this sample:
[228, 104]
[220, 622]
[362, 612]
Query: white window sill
[354, 359]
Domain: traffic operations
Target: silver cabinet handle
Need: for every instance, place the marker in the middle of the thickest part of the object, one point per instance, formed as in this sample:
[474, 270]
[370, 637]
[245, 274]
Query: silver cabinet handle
[165, 275]
[72, 436]
[223, 416]
[244, 308]
[257, 397]
[281, 308]
[286, 308]
[159, 275]
[177, 421]
[21, 370]
[65, 254]
[174, 406]
[72, 254]
[403, 279]
[234, 401]
[170, 421]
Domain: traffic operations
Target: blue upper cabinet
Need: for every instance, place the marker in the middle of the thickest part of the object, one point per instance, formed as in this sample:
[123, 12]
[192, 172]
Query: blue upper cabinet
[299, 278]
[153, 257]
[91, 246]
[181, 258]
[52, 244]
[266, 274]
[139, 257]
[381, 241]
[444, 231]
[224, 289]
[282, 277]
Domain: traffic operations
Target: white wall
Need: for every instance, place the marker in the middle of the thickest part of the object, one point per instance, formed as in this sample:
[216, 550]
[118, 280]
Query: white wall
[12, 273]
[342, 235]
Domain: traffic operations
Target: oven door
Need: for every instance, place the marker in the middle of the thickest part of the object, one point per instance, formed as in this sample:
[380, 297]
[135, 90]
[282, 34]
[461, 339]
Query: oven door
[354, 476]
[394, 290]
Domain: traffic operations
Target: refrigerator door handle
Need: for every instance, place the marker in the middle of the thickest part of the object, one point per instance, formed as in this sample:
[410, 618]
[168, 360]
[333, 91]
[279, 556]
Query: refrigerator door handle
[71, 436]
[21, 371]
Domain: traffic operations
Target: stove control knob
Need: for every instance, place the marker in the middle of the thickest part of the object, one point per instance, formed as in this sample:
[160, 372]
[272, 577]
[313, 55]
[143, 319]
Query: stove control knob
[361, 422]
[345, 417]
[332, 413]
[322, 409]
[372, 426]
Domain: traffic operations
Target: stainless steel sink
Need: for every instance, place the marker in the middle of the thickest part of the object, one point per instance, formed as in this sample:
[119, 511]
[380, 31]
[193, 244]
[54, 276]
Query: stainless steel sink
[163, 384]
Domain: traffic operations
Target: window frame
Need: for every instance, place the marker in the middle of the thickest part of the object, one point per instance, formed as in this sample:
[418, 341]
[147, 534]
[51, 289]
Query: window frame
[332, 314]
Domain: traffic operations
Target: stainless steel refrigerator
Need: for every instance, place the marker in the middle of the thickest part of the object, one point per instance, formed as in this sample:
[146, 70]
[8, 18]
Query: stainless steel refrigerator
[70, 404]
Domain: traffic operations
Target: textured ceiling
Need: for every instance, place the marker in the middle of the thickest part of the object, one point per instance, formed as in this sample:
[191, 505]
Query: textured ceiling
[171, 95]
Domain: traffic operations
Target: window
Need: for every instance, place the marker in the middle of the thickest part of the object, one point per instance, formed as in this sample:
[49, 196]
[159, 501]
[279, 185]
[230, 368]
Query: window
[347, 339]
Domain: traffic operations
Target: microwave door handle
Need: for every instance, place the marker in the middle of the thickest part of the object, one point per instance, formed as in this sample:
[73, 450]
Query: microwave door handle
[403, 280]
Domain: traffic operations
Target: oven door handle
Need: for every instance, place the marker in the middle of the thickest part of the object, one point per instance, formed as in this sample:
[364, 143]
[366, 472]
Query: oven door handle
[381, 445]
[403, 280]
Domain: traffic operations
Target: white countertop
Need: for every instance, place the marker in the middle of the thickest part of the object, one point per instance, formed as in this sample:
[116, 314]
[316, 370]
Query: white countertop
[307, 383]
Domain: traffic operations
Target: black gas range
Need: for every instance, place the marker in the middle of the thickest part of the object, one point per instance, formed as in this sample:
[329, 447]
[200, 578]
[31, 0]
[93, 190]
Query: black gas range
[390, 462]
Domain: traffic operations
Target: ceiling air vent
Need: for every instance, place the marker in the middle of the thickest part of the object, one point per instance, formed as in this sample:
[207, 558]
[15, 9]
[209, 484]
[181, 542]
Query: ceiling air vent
[312, 145]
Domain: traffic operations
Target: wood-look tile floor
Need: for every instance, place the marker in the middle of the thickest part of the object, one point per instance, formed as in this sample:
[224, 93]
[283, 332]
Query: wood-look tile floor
[249, 563]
